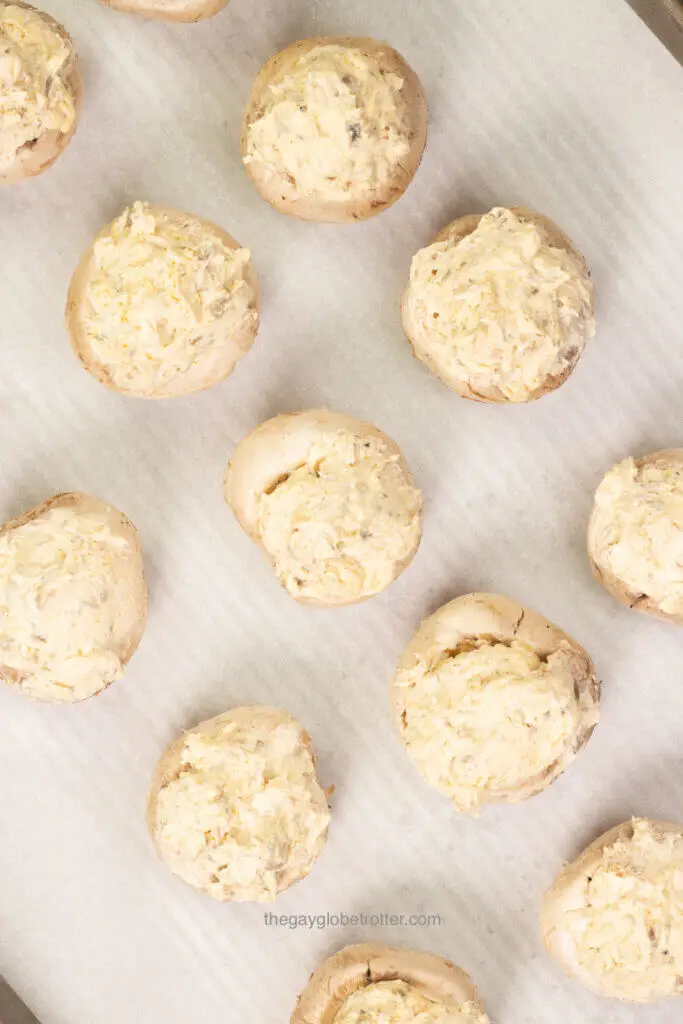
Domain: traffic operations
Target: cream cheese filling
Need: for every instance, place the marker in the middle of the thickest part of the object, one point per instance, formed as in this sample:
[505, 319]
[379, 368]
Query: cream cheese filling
[397, 1002]
[163, 293]
[488, 718]
[245, 809]
[636, 529]
[629, 932]
[341, 524]
[59, 598]
[33, 96]
[334, 125]
[500, 308]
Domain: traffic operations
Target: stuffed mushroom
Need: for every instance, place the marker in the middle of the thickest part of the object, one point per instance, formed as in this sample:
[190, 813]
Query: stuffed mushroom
[235, 809]
[73, 599]
[331, 502]
[40, 90]
[500, 306]
[334, 129]
[492, 701]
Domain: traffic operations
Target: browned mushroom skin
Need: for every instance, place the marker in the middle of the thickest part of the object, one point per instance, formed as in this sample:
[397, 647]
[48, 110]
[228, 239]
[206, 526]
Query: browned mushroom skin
[355, 967]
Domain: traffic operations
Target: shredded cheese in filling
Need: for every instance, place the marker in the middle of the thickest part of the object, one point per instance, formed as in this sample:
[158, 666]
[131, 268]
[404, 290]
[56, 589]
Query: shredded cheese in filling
[636, 529]
[500, 309]
[62, 582]
[34, 98]
[489, 718]
[341, 525]
[629, 932]
[397, 1002]
[333, 124]
[245, 810]
[164, 296]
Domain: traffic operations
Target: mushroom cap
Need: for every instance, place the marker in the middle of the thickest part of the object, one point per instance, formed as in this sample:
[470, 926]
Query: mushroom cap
[500, 618]
[566, 895]
[210, 371]
[169, 766]
[275, 188]
[355, 967]
[455, 232]
[169, 10]
[616, 587]
[278, 446]
[132, 613]
[34, 158]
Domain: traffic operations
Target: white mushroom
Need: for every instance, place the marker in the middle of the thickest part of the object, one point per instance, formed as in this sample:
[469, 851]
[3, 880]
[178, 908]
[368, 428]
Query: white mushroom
[614, 918]
[635, 535]
[334, 129]
[236, 809]
[370, 984]
[169, 10]
[500, 306]
[40, 90]
[492, 701]
[162, 304]
[73, 600]
[331, 502]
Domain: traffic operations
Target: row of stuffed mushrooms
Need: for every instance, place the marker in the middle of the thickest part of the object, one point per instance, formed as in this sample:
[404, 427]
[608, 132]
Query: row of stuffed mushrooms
[332, 504]
[165, 304]
[499, 306]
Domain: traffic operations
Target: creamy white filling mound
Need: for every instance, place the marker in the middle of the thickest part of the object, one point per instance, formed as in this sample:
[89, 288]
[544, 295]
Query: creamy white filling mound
[499, 309]
[636, 529]
[33, 96]
[333, 124]
[164, 295]
[340, 525]
[244, 811]
[61, 589]
[397, 1002]
[488, 718]
[628, 934]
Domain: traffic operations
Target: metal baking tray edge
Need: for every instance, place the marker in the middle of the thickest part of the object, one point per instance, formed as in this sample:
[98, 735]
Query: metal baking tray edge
[665, 18]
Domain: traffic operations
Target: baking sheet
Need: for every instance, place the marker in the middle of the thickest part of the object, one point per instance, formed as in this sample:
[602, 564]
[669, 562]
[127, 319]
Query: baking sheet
[665, 18]
[571, 107]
